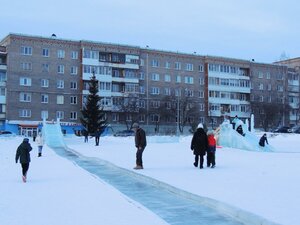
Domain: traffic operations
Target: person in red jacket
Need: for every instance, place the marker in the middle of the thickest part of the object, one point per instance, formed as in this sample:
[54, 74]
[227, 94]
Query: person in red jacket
[211, 150]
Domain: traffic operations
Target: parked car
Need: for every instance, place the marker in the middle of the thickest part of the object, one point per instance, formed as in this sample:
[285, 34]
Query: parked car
[296, 129]
[282, 129]
[4, 133]
[124, 133]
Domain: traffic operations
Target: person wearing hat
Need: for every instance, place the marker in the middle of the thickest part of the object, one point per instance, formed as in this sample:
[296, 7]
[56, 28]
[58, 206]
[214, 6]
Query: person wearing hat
[211, 150]
[199, 145]
[140, 144]
[23, 153]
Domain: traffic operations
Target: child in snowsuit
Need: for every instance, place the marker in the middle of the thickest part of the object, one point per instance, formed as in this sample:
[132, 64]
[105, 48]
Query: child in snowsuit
[211, 150]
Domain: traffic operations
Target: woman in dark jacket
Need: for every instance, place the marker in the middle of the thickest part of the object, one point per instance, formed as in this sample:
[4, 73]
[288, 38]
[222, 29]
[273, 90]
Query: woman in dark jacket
[24, 156]
[199, 145]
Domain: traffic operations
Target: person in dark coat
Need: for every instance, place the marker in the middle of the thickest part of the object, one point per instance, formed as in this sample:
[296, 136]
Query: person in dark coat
[23, 153]
[97, 136]
[199, 145]
[140, 144]
[85, 133]
[263, 140]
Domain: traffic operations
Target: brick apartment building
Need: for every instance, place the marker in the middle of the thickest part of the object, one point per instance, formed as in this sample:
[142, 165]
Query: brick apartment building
[48, 77]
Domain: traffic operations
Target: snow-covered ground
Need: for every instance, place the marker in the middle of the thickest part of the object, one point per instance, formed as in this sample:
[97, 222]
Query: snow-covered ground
[58, 192]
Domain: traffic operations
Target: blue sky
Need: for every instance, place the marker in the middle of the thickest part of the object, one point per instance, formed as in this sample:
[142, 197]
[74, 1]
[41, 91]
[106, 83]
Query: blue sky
[246, 29]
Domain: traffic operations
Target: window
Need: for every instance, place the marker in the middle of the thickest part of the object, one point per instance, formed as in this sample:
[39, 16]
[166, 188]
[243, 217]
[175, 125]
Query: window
[142, 76]
[142, 118]
[189, 67]
[25, 113]
[268, 75]
[279, 88]
[142, 104]
[60, 114]
[155, 76]
[25, 97]
[201, 107]
[60, 54]
[25, 81]
[142, 90]
[44, 83]
[60, 84]
[73, 115]
[45, 98]
[260, 74]
[26, 66]
[45, 67]
[201, 94]
[201, 68]
[177, 66]
[74, 70]
[201, 81]
[261, 98]
[61, 69]
[26, 50]
[44, 114]
[115, 117]
[74, 55]
[167, 65]
[73, 100]
[155, 91]
[188, 80]
[45, 52]
[261, 86]
[167, 78]
[142, 62]
[60, 99]
[155, 63]
[73, 85]
[2, 92]
[269, 87]
[155, 104]
[167, 91]
[178, 79]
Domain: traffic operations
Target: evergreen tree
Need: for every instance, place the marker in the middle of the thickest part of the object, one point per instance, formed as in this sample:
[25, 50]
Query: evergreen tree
[93, 115]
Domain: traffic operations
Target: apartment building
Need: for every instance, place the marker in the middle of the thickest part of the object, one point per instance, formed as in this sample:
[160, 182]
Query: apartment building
[293, 88]
[48, 78]
[3, 69]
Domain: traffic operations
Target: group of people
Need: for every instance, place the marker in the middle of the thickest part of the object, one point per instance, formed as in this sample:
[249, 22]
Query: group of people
[23, 154]
[203, 144]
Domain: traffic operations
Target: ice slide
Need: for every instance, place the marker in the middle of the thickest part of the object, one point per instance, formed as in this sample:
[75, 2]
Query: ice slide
[52, 134]
[229, 137]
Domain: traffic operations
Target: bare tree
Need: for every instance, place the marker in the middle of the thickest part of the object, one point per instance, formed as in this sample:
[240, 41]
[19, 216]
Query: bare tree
[270, 114]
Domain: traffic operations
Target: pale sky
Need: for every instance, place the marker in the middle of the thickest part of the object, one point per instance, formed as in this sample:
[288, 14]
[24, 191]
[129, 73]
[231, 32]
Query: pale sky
[263, 30]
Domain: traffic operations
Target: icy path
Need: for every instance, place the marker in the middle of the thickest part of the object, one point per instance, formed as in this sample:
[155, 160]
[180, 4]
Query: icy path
[171, 207]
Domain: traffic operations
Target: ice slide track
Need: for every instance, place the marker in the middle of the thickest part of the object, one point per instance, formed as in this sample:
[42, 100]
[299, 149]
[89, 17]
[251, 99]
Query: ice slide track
[175, 206]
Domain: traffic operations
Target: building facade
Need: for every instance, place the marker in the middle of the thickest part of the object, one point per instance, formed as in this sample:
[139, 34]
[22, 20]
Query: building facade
[167, 92]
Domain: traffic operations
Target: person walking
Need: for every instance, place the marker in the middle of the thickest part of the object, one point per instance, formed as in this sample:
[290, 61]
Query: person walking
[85, 133]
[23, 153]
[199, 145]
[263, 140]
[211, 150]
[140, 144]
[40, 144]
[97, 136]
